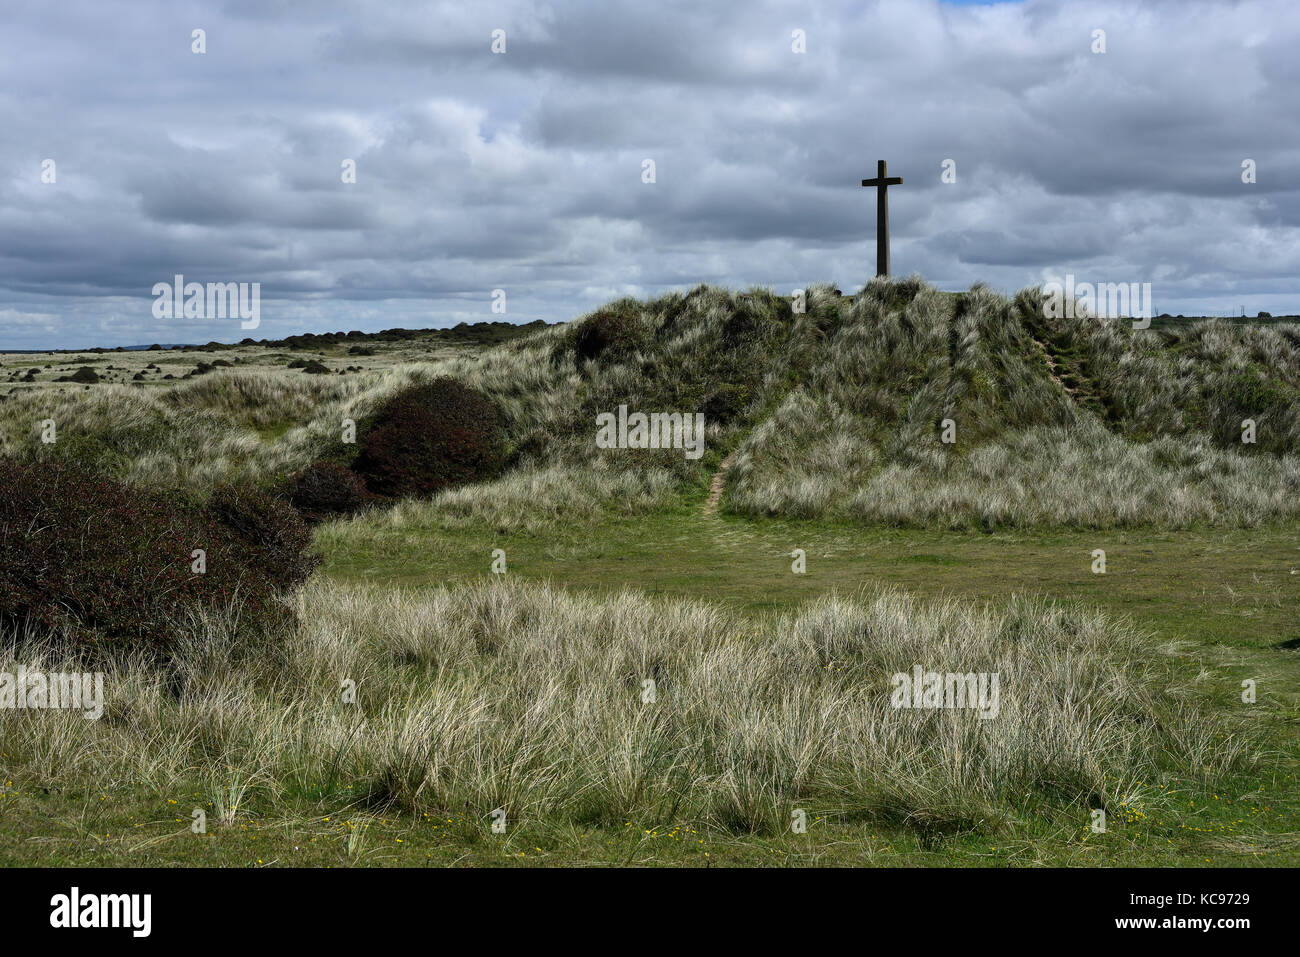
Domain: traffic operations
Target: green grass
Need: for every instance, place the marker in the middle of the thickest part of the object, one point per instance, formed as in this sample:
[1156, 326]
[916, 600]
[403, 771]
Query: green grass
[135, 828]
[1215, 586]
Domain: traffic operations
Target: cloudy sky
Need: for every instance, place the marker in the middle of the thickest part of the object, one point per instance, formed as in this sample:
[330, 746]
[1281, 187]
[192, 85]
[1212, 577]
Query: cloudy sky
[523, 170]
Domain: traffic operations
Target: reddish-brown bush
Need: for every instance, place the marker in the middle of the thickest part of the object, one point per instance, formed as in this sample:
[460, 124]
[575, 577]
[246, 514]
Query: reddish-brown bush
[325, 489]
[430, 437]
[113, 566]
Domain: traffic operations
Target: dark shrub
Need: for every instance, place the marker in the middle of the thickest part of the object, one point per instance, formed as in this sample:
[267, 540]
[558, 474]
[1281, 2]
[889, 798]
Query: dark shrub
[84, 374]
[315, 367]
[725, 403]
[113, 564]
[610, 333]
[268, 531]
[430, 437]
[325, 489]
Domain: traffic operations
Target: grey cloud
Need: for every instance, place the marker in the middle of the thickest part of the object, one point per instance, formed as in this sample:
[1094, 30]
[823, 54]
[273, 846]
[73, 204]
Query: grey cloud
[522, 171]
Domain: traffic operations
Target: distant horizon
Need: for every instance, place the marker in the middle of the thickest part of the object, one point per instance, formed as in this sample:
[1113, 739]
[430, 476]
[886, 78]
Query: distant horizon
[263, 340]
[134, 347]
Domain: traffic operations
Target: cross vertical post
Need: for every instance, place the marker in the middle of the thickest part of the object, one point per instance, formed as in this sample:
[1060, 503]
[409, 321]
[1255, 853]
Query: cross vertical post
[882, 182]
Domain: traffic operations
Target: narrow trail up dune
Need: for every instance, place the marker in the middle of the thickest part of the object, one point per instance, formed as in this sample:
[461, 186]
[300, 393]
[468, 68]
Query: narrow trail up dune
[717, 484]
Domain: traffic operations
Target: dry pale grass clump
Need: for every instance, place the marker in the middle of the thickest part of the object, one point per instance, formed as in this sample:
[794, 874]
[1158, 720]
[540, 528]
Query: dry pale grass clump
[197, 434]
[260, 398]
[1083, 477]
[521, 697]
[528, 498]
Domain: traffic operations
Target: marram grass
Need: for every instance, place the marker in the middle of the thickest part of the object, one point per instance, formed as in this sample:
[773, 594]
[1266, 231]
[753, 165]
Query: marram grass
[835, 413]
[533, 700]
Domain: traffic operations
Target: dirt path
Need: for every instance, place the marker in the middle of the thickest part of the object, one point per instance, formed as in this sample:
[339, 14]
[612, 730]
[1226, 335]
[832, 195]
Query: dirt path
[717, 484]
[1051, 370]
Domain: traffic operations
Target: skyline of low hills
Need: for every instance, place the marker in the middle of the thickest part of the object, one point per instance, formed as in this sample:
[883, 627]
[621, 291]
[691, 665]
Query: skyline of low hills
[485, 332]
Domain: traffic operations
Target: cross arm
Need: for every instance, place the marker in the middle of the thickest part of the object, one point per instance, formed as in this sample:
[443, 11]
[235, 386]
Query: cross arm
[889, 181]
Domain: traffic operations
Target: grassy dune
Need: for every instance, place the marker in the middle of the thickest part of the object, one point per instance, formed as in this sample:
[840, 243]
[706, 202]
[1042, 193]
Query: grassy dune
[835, 412]
[1151, 438]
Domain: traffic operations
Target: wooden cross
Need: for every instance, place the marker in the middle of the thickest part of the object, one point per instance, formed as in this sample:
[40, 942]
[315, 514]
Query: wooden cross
[882, 182]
